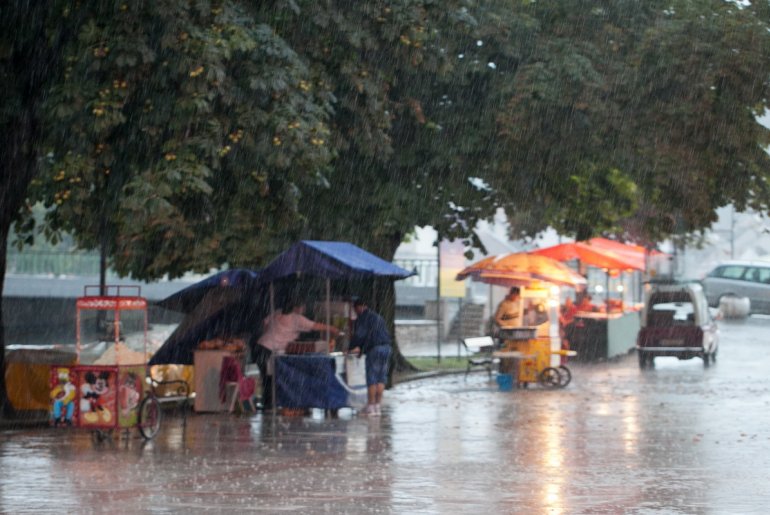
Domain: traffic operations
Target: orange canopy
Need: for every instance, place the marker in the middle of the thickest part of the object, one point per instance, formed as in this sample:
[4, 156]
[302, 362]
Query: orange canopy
[521, 269]
[599, 252]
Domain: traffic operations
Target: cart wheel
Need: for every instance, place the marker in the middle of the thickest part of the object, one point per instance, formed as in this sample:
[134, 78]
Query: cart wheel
[566, 376]
[149, 417]
[99, 435]
[550, 377]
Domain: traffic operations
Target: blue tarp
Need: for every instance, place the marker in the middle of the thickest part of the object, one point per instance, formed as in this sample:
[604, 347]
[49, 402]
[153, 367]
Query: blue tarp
[330, 260]
[308, 381]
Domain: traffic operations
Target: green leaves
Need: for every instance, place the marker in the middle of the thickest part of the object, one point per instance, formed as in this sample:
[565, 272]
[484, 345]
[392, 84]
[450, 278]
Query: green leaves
[162, 112]
[208, 133]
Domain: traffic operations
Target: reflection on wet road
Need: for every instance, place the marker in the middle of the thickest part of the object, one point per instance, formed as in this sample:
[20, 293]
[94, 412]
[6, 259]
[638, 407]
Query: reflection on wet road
[676, 439]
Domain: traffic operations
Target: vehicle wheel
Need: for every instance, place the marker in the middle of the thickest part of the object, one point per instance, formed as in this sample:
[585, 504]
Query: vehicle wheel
[149, 417]
[566, 376]
[100, 435]
[646, 360]
[550, 377]
[706, 359]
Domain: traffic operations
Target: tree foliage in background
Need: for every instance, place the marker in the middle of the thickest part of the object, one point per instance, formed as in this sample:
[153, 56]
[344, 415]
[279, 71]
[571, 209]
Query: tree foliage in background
[637, 118]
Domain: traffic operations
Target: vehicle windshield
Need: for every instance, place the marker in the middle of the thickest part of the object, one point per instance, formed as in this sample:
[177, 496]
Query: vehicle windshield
[679, 311]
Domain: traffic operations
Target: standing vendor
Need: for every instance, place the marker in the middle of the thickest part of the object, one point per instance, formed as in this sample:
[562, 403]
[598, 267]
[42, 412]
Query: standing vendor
[370, 337]
[509, 311]
[279, 330]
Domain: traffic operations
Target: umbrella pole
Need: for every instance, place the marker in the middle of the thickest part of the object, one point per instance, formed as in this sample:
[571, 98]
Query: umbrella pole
[272, 355]
[490, 324]
[328, 310]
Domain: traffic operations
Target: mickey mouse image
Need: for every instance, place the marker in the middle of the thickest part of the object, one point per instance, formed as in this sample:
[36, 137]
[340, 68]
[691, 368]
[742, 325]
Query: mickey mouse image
[90, 394]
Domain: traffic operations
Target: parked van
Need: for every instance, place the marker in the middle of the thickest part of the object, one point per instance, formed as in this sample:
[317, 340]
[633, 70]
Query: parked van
[750, 279]
[676, 321]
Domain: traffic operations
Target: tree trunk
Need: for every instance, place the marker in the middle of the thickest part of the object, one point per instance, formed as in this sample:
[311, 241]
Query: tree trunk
[32, 61]
[16, 171]
[385, 304]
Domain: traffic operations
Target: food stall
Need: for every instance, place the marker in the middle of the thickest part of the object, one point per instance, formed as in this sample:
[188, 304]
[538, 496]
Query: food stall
[609, 329]
[530, 353]
[342, 270]
[220, 313]
[313, 373]
[597, 336]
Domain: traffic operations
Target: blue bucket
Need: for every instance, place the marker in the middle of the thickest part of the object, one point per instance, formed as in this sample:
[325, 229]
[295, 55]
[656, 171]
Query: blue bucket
[505, 382]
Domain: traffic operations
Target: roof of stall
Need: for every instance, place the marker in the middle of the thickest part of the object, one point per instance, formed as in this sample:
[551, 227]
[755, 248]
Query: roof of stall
[331, 260]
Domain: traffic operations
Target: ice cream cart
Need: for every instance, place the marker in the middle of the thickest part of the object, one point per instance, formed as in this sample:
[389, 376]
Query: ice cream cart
[110, 392]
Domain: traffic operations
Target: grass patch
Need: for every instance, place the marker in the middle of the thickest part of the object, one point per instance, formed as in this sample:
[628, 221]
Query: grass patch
[426, 364]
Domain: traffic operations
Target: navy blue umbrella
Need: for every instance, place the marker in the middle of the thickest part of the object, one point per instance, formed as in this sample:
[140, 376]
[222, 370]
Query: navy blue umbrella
[237, 280]
[227, 303]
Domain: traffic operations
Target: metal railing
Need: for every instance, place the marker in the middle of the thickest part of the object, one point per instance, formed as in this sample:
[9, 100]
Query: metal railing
[52, 263]
[57, 263]
[427, 271]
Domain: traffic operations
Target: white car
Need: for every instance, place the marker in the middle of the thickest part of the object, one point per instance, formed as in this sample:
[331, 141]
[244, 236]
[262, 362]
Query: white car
[750, 279]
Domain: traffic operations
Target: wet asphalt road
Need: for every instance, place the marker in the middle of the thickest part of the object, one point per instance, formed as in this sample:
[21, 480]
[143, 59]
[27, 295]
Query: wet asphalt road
[677, 439]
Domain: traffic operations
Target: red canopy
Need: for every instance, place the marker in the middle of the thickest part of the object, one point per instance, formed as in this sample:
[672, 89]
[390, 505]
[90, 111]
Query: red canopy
[599, 252]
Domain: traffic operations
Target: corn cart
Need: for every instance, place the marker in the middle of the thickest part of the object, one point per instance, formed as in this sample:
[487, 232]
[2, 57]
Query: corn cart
[529, 359]
[113, 391]
[523, 354]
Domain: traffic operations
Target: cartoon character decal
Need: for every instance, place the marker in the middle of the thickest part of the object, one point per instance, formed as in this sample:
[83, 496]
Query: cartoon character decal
[129, 395]
[94, 402]
[62, 398]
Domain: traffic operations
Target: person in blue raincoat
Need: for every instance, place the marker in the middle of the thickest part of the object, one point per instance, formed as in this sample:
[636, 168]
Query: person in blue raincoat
[371, 338]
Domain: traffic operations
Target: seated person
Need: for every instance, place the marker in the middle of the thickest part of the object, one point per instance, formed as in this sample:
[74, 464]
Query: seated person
[566, 319]
[509, 310]
[585, 304]
[567, 314]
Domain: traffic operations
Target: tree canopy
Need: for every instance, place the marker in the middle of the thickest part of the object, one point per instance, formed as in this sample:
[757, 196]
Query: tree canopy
[187, 135]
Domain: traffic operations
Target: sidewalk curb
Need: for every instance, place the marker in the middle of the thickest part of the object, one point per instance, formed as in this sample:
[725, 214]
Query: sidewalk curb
[416, 376]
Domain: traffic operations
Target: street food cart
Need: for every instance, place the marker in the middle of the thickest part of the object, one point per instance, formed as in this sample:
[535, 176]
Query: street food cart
[109, 392]
[532, 359]
[530, 354]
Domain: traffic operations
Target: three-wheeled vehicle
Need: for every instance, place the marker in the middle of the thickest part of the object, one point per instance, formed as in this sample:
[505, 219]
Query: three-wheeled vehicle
[676, 321]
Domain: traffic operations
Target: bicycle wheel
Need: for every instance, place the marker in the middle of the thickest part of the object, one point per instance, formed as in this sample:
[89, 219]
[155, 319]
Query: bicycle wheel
[149, 417]
[550, 378]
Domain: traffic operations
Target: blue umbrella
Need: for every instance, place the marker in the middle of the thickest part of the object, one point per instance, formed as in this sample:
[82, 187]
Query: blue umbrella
[227, 303]
[187, 299]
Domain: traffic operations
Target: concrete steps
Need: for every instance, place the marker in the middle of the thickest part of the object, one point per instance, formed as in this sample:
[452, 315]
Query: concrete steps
[468, 322]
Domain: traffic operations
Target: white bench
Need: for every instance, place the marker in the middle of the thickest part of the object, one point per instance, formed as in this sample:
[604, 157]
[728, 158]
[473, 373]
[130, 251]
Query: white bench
[480, 353]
